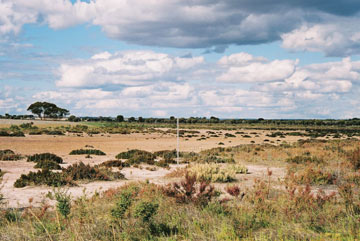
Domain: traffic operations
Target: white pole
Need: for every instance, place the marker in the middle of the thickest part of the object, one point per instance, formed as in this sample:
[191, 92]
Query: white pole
[177, 147]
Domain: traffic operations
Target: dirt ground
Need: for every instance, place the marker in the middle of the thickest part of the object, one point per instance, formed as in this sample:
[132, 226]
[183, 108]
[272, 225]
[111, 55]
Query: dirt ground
[111, 145]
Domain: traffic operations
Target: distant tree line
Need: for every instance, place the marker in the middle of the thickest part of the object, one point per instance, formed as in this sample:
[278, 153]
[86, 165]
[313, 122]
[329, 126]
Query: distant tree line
[50, 110]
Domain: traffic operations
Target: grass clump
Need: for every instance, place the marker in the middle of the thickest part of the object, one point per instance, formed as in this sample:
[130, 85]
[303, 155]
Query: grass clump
[87, 152]
[45, 156]
[212, 172]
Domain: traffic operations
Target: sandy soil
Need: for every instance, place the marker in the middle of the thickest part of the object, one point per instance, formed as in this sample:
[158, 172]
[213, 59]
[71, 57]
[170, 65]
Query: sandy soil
[112, 145]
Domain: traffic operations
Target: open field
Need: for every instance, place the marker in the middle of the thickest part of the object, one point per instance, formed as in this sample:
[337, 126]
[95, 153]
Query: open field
[248, 183]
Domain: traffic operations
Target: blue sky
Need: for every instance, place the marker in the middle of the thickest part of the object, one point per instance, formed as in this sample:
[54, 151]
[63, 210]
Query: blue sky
[231, 59]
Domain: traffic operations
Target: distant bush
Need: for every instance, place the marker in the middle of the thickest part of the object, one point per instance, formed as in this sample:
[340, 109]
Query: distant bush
[113, 163]
[45, 156]
[9, 155]
[48, 164]
[137, 156]
[229, 135]
[87, 152]
[35, 132]
[55, 133]
[10, 134]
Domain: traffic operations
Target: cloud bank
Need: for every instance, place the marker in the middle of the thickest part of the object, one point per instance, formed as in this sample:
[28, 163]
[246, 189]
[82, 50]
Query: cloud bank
[323, 26]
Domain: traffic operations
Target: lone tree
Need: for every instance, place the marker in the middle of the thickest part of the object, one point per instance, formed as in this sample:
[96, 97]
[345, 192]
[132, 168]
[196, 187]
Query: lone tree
[46, 109]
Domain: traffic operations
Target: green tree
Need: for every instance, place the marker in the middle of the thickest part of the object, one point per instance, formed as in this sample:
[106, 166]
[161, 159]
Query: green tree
[119, 118]
[46, 109]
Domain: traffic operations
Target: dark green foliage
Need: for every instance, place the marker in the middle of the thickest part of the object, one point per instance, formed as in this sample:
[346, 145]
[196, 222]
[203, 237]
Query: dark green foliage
[48, 164]
[137, 156]
[145, 210]
[87, 152]
[45, 109]
[9, 155]
[45, 156]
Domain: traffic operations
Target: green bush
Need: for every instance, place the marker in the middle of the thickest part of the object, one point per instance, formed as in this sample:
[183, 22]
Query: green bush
[63, 204]
[48, 164]
[87, 152]
[45, 156]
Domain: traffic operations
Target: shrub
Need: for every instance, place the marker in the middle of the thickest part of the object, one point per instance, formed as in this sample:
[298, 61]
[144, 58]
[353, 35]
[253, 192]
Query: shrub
[122, 205]
[42, 177]
[80, 171]
[48, 164]
[45, 156]
[189, 190]
[229, 135]
[87, 152]
[9, 155]
[77, 171]
[212, 172]
[233, 190]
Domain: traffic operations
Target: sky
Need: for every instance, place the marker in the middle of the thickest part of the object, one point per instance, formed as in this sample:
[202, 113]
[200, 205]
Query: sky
[277, 59]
